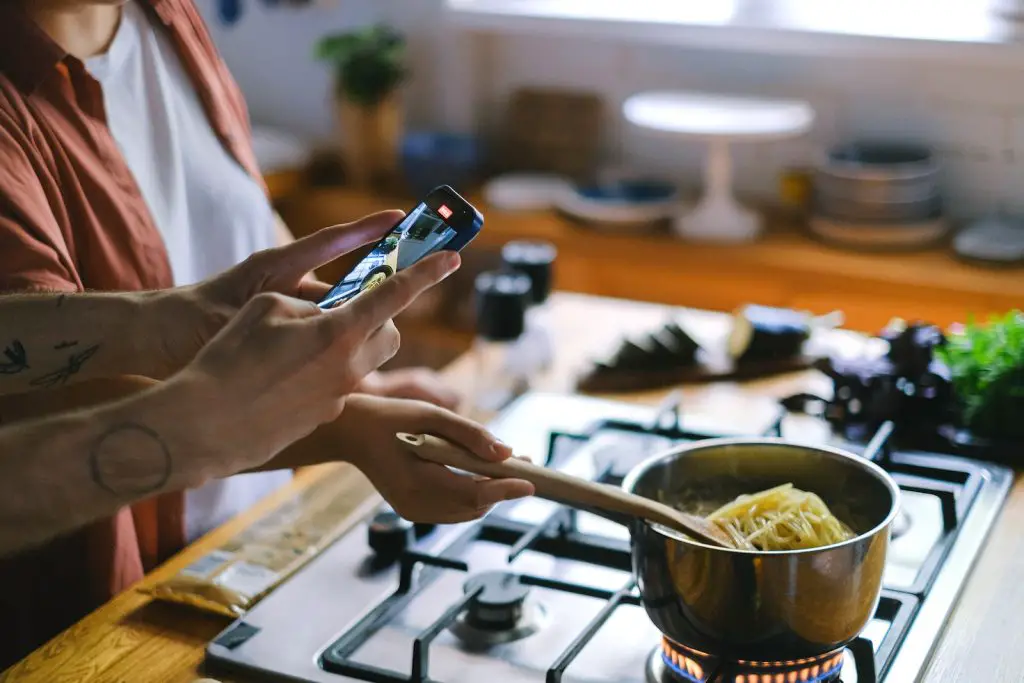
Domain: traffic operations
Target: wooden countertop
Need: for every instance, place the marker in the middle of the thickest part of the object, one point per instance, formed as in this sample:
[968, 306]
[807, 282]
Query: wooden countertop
[133, 639]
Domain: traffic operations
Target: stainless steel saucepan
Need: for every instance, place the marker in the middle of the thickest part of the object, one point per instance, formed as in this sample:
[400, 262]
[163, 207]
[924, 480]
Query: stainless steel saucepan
[762, 606]
[738, 604]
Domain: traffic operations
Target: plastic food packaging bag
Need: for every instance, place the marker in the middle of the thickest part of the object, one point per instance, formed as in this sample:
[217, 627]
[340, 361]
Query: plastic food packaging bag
[234, 577]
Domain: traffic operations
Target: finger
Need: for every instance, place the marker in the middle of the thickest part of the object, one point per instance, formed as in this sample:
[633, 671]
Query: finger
[466, 496]
[458, 515]
[325, 245]
[495, 491]
[313, 290]
[273, 304]
[455, 516]
[469, 434]
[378, 349]
[371, 309]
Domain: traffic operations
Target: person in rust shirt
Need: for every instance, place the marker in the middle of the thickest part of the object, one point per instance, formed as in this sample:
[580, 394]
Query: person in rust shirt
[126, 164]
[255, 377]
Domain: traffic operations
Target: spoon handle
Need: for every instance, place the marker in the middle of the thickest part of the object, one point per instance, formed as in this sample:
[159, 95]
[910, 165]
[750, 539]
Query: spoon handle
[560, 487]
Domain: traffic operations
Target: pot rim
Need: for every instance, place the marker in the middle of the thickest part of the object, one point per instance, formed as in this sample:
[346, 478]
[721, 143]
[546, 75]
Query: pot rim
[629, 483]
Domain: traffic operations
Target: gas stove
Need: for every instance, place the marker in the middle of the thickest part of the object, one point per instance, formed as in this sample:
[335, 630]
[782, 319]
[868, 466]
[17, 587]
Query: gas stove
[539, 592]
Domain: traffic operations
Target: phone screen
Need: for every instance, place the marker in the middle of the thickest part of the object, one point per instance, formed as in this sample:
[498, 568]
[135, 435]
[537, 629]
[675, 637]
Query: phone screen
[421, 233]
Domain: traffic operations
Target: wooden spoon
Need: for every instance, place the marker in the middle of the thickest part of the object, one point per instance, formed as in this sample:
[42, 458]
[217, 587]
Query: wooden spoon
[565, 488]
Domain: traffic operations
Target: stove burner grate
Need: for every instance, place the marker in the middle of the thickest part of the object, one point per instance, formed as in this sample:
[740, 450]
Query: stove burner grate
[499, 611]
[496, 589]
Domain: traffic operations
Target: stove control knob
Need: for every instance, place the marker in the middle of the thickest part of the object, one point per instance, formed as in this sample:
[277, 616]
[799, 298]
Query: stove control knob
[389, 534]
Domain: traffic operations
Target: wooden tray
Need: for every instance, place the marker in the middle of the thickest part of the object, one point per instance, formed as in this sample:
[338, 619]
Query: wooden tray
[670, 357]
[601, 381]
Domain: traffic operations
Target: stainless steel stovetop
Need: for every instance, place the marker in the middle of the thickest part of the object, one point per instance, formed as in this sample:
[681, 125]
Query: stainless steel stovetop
[573, 613]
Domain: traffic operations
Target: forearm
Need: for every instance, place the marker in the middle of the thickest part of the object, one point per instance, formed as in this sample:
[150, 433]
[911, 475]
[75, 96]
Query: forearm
[58, 473]
[48, 340]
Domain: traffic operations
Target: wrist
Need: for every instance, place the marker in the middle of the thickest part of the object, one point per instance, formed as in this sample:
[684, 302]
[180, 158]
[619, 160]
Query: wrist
[345, 438]
[175, 419]
[148, 317]
[171, 327]
[134, 334]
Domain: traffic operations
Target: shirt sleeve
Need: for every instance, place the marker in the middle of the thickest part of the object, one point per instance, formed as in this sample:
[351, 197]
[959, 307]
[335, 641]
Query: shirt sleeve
[33, 251]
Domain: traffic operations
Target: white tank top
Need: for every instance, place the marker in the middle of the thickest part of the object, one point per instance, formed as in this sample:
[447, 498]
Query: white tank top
[209, 211]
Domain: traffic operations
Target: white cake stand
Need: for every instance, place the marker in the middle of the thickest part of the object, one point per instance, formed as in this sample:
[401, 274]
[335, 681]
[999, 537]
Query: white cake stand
[720, 120]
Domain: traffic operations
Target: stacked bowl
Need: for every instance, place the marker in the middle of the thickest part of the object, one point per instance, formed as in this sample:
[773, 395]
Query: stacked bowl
[878, 195]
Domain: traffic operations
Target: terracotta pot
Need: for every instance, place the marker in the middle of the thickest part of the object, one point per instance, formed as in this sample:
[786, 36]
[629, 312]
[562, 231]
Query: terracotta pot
[370, 137]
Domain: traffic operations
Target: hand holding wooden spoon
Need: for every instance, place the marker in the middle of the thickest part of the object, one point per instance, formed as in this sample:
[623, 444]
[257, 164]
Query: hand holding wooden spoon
[565, 488]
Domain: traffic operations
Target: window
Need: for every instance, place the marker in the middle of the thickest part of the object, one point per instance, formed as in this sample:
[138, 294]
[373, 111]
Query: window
[945, 29]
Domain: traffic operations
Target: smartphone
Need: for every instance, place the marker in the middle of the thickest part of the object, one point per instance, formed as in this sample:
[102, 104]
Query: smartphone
[442, 221]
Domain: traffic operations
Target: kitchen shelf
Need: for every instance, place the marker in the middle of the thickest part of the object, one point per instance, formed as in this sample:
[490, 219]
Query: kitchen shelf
[785, 268]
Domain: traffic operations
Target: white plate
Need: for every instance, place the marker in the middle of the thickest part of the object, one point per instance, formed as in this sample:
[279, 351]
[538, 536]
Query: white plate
[524, 191]
[880, 235]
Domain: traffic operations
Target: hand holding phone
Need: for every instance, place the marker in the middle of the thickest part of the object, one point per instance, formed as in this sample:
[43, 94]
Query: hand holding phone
[442, 221]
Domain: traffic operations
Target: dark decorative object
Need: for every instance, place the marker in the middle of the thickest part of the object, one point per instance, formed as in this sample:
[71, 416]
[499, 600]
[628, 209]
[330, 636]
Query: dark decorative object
[766, 333]
[961, 392]
[670, 347]
[669, 356]
[908, 385]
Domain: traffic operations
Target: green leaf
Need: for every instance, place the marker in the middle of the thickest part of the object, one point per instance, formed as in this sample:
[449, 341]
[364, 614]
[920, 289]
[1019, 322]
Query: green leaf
[986, 363]
[369, 62]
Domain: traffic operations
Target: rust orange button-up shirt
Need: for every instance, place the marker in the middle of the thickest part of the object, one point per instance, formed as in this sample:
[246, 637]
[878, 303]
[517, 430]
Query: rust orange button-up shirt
[72, 218]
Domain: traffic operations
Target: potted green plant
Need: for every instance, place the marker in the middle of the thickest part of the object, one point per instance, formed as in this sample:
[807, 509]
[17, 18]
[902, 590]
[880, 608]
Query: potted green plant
[369, 66]
[986, 364]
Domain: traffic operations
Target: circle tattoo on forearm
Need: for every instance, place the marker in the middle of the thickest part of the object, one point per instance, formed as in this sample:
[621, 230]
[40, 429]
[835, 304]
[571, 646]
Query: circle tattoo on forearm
[130, 459]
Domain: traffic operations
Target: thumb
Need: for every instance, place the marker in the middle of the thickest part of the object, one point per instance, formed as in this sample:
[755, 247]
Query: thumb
[274, 305]
[300, 257]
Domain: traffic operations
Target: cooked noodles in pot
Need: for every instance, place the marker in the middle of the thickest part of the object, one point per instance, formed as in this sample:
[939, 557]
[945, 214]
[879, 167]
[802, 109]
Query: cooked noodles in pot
[780, 518]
